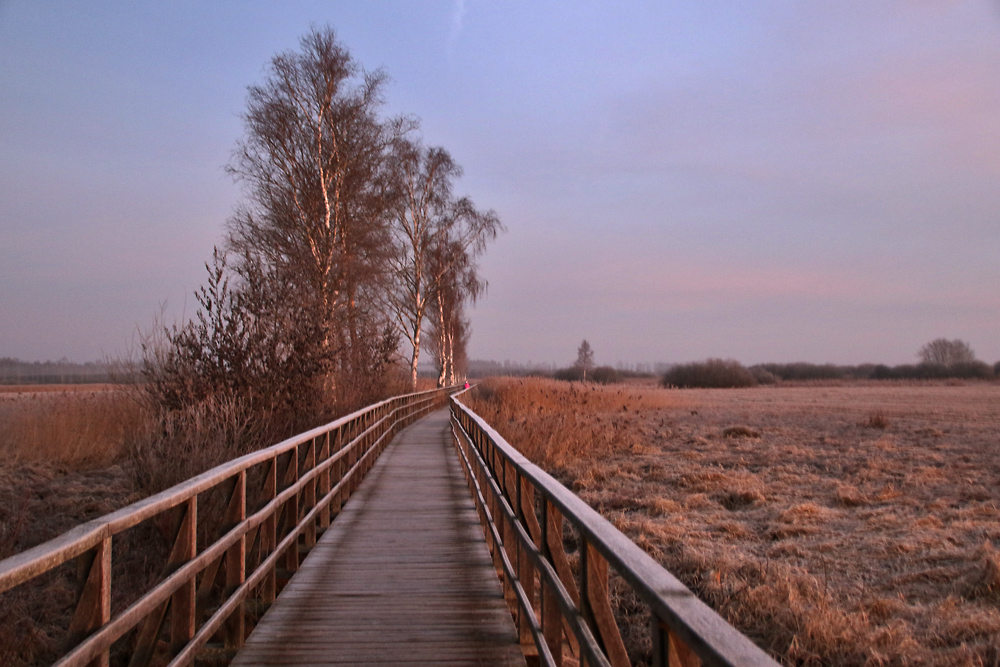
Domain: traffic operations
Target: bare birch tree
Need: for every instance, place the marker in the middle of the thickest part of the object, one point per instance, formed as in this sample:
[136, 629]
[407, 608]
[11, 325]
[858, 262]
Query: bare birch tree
[435, 235]
[313, 163]
[342, 210]
[944, 352]
[449, 330]
[584, 358]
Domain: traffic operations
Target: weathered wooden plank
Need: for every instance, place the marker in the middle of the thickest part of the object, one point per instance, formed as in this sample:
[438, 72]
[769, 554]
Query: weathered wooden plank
[401, 577]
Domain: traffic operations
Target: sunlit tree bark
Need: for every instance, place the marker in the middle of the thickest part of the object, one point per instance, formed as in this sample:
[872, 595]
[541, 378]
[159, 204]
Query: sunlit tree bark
[314, 165]
[449, 330]
[435, 236]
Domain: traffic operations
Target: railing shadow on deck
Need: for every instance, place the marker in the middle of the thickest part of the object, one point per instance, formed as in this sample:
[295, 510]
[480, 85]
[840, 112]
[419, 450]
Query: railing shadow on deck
[202, 604]
[562, 606]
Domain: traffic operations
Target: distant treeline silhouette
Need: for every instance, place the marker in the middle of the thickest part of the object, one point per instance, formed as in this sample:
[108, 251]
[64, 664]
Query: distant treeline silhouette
[731, 373]
[15, 371]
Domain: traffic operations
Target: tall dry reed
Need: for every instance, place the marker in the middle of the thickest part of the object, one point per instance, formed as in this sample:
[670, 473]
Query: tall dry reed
[72, 428]
[826, 538]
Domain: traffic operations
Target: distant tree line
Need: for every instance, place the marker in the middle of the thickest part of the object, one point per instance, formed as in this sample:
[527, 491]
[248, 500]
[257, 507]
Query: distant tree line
[15, 371]
[939, 359]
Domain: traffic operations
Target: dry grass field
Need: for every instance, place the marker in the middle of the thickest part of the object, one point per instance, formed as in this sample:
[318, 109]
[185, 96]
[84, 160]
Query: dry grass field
[834, 525]
[78, 426]
[59, 451]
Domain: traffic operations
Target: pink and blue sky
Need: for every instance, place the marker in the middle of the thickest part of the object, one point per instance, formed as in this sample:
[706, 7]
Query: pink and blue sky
[767, 180]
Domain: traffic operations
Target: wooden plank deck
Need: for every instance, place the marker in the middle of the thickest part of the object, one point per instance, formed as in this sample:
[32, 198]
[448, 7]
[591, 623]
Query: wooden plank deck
[403, 576]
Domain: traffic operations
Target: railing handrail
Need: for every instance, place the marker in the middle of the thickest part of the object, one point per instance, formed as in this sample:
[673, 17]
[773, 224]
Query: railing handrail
[365, 430]
[707, 634]
[20, 567]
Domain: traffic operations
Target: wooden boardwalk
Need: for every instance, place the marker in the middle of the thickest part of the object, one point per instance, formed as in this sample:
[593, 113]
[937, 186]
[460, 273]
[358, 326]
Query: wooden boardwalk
[403, 576]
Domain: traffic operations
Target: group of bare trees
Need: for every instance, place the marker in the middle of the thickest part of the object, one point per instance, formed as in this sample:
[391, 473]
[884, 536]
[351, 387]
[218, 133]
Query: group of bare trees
[350, 238]
[437, 238]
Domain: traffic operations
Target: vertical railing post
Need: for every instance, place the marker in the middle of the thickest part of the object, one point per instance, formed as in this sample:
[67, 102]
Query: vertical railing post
[525, 571]
[309, 493]
[182, 602]
[269, 532]
[93, 609]
[352, 453]
[551, 616]
[584, 585]
[658, 638]
[601, 612]
[291, 510]
[338, 472]
[324, 482]
[678, 653]
[236, 558]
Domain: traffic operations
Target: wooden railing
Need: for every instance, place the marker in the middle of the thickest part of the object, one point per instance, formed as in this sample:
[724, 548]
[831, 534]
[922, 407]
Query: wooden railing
[205, 597]
[561, 601]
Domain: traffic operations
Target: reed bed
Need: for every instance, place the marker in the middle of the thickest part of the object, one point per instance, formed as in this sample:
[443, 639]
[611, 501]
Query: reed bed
[76, 428]
[834, 525]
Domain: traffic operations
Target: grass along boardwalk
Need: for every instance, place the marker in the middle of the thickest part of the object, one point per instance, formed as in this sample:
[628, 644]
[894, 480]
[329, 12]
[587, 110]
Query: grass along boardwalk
[403, 576]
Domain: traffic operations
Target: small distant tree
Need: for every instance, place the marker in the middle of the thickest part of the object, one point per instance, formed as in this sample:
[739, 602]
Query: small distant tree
[584, 358]
[606, 375]
[943, 352]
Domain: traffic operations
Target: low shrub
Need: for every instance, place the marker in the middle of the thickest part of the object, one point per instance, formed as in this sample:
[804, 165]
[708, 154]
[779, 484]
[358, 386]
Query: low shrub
[600, 375]
[877, 419]
[763, 376]
[971, 370]
[740, 432]
[805, 371]
[711, 373]
[605, 375]
[571, 374]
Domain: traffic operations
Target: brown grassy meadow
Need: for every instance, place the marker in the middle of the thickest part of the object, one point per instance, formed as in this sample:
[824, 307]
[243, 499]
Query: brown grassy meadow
[834, 525]
[59, 466]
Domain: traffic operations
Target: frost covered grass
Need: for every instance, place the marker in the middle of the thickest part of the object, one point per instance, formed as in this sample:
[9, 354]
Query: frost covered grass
[834, 525]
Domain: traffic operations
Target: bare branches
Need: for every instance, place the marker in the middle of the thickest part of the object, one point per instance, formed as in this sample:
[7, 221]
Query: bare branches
[437, 238]
[943, 352]
[348, 233]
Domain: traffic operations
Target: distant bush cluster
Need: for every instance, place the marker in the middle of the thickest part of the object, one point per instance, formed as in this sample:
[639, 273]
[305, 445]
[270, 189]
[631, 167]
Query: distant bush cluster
[716, 373]
[711, 373]
[940, 359]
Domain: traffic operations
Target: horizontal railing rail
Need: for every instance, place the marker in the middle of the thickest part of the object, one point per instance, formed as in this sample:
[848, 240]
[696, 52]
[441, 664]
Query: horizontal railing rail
[201, 605]
[561, 601]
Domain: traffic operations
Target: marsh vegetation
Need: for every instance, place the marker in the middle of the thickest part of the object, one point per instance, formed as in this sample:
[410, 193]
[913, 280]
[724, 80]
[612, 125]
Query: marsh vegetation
[838, 524]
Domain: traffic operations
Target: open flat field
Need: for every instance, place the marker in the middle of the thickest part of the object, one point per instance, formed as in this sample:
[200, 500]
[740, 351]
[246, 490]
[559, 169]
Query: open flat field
[834, 525]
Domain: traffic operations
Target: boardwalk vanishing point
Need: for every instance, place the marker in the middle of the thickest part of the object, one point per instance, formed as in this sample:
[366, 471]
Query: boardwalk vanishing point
[403, 576]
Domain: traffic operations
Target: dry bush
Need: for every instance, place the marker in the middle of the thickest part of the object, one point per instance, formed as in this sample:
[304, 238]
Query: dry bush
[39, 501]
[716, 373]
[877, 419]
[740, 432]
[823, 542]
[179, 444]
[983, 580]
